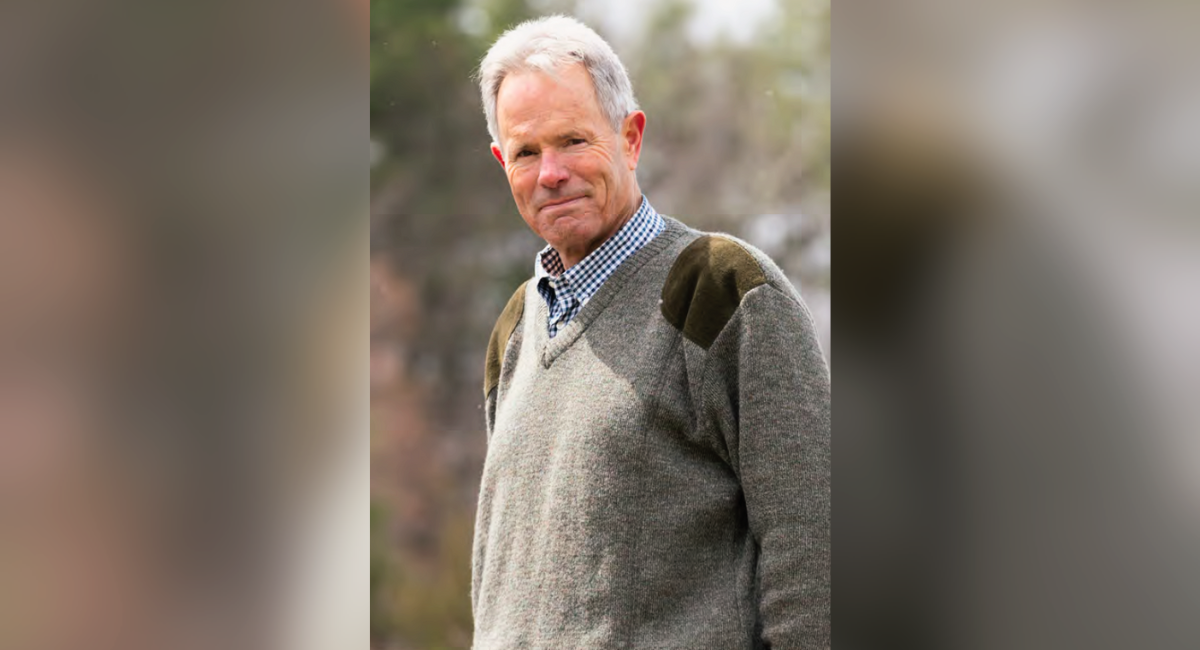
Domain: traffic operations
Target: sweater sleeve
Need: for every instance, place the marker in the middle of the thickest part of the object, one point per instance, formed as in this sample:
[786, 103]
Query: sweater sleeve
[506, 325]
[768, 376]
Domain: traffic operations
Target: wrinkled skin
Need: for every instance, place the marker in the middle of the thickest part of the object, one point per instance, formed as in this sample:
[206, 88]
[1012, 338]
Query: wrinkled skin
[572, 176]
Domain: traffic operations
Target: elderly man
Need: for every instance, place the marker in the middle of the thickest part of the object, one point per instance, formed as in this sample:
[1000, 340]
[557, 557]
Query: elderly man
[657, 403]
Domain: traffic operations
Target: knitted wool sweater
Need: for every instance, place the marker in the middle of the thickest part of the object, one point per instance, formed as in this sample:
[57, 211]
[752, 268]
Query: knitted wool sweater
[657, 474]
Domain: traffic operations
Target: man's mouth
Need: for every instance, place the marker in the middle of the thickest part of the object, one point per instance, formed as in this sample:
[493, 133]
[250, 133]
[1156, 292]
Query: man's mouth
[558, 202]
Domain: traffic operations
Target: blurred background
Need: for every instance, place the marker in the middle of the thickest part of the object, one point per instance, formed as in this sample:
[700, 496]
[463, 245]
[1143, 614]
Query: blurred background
[183, 325]
[184, 285]
[1016, 429]
[737, 97]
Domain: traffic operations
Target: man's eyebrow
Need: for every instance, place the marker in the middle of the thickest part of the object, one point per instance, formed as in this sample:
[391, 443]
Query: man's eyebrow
[518, 143]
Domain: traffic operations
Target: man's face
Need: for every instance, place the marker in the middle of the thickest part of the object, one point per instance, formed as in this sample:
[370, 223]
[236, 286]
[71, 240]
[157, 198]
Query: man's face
[572, 176]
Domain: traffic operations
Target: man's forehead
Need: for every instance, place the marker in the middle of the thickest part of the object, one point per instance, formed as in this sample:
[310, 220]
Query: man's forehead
[530, 99]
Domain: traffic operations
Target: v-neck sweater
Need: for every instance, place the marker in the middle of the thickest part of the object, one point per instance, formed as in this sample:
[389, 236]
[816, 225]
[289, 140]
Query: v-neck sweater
[657, 474]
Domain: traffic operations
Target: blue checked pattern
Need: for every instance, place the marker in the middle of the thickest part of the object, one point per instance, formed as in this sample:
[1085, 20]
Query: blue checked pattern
[567, 291]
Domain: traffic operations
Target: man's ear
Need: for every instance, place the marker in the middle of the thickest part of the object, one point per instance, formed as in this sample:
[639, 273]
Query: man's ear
[496, 152]
[631, 132]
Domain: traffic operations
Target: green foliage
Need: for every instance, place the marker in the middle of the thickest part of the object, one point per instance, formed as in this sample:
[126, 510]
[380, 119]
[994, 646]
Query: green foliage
[422, 599]
[383, 575]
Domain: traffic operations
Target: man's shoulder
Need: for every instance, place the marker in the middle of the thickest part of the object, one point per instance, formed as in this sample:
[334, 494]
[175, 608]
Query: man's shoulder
[709, 279]
[501, 332]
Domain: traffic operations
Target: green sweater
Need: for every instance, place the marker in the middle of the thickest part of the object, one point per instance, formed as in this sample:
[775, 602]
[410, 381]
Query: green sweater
[657, 474]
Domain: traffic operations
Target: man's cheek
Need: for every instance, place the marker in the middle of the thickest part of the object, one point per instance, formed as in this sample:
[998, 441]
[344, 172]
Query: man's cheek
[522, 184]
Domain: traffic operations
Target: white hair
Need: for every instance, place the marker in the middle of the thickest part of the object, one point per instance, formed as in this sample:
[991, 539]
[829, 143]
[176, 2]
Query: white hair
[548, 45]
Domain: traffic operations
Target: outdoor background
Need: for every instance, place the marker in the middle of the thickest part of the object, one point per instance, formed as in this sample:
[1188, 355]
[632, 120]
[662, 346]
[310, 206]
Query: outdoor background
[737, 140]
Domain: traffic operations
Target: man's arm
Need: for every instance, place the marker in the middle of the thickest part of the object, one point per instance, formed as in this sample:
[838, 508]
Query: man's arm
[768, 369]
[765, 389]
[502, 331]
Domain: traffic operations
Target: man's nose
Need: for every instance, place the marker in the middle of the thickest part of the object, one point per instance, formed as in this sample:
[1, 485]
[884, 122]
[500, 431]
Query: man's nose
[553, 172]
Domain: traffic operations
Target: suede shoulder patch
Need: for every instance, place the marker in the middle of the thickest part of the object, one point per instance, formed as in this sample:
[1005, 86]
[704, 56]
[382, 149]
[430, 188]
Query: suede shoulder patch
[500, 334]
[705, 286]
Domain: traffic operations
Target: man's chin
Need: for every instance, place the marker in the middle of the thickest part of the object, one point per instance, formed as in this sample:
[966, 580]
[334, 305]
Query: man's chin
[568, 233]
[566, 222]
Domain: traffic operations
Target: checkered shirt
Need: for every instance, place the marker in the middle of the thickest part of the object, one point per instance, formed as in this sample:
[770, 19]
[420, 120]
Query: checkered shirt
[566, 292]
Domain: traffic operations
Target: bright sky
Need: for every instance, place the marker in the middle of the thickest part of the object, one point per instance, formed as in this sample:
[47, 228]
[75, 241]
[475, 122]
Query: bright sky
[736, 18]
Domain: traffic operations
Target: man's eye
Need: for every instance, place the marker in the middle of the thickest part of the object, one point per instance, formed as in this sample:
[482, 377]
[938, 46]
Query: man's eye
[524, 152]
[575, 141]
